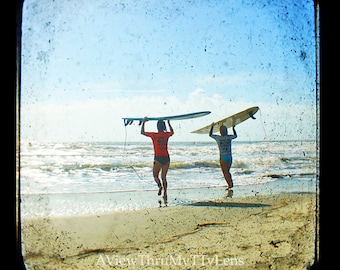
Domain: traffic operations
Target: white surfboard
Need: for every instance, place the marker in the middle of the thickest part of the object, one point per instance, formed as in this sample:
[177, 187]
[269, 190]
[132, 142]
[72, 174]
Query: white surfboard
[229, 121]
[129, 120]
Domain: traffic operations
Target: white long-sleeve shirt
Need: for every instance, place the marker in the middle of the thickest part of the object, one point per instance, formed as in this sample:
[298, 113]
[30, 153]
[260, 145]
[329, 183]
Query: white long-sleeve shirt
[224, 143]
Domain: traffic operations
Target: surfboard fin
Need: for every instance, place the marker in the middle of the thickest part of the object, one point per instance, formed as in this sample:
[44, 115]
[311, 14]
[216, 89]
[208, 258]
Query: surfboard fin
[251, 115]
[127, 122]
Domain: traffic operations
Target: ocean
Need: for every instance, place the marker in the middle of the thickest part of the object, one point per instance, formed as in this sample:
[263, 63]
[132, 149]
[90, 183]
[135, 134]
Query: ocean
[58, 179]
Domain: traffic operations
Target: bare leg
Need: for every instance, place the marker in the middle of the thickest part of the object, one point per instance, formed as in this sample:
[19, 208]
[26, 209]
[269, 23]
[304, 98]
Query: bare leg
[165, 169]
[225, 166]
[156, 169]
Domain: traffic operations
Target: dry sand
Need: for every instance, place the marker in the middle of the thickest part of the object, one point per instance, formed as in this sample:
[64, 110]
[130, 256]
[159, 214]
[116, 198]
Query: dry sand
[257, 232]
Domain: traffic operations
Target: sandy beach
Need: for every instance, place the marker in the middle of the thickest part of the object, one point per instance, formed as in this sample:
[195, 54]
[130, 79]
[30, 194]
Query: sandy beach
[256, 232]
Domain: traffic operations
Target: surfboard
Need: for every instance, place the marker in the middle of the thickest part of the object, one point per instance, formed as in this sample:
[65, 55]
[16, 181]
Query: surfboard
[229, 121]
[129, 120]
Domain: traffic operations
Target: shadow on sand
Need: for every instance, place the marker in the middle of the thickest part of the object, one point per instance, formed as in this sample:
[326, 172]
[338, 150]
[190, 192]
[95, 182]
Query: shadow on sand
[228, 204]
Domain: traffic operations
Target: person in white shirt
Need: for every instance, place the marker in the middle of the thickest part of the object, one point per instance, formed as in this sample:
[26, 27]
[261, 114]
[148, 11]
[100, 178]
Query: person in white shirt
[224, 145]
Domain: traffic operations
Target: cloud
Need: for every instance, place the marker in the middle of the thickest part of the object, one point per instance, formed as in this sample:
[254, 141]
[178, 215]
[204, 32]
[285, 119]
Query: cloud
[101, 120]
[117, 87]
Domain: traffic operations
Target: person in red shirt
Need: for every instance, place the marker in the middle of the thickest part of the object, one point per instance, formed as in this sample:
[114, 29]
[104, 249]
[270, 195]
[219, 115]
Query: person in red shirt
[161, 154]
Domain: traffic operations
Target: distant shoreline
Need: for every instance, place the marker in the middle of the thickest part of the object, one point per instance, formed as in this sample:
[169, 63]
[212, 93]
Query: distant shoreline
[173, 140]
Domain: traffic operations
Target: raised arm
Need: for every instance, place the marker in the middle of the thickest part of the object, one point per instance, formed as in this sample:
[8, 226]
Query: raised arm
[142, 131]
[171, 129]
[234, 131]
[211, 129]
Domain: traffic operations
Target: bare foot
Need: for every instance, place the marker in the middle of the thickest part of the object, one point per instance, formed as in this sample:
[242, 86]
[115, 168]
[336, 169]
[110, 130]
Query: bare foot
[229, 193]
[160, 191]
[165, 197]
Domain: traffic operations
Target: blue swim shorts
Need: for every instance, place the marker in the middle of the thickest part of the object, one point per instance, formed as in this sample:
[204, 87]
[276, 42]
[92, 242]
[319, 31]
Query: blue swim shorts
[227, 159]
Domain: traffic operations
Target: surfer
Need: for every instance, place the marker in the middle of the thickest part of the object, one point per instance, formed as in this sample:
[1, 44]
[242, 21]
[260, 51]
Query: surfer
[224, 145]
[161, 154]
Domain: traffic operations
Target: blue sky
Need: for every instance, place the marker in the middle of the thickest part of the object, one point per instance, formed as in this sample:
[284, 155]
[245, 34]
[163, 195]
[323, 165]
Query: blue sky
[101, 60]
